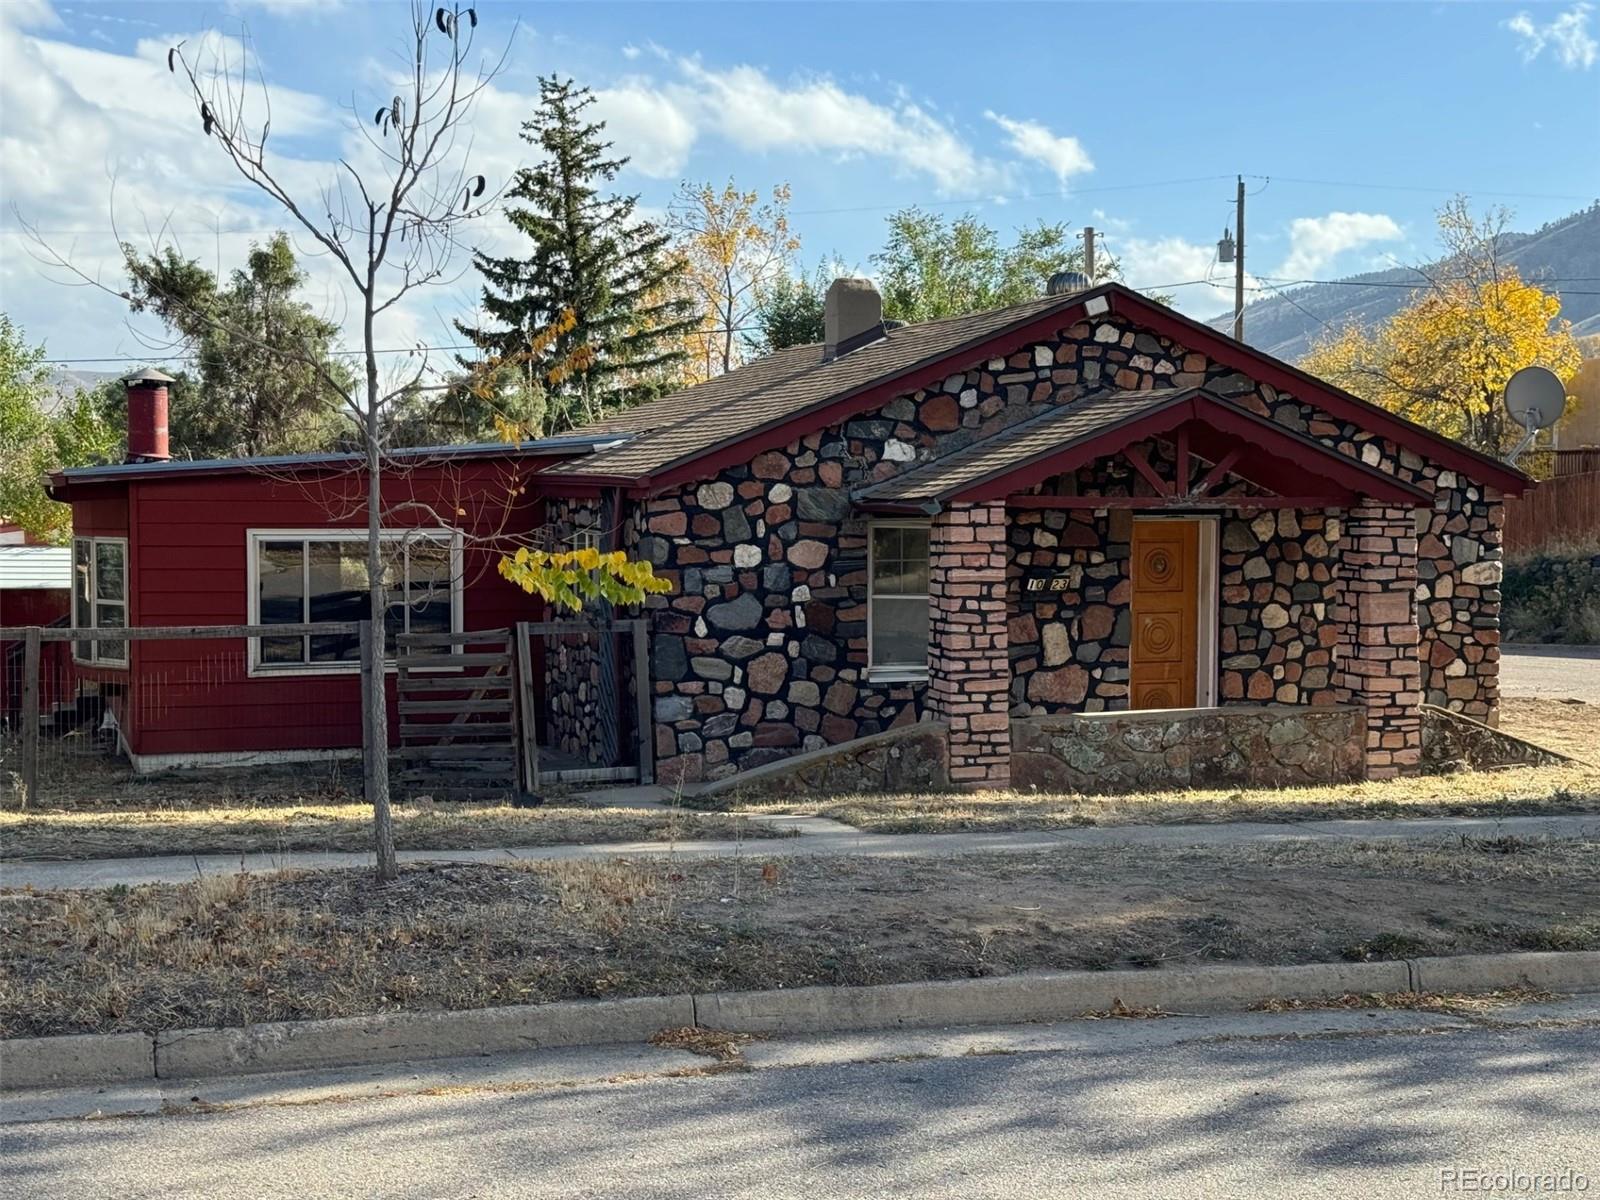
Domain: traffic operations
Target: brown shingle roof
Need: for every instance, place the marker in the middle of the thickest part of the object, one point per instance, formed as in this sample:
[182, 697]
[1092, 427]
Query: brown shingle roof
[783, 385]
[1051, 431]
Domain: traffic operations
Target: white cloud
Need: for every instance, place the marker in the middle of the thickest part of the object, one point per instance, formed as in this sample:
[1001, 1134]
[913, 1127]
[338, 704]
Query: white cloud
[1063, 155]
[1314, 242]
[1567, 37]
[754, 112]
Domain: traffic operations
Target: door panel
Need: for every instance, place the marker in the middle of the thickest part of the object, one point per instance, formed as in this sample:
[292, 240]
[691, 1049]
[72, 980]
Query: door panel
[1166, 614]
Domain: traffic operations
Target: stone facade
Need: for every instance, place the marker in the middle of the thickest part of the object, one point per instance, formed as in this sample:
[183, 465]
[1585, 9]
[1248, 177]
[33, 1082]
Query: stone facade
[970, 674]
[1277, 571]
[1376, 632]
[1269, 745]
[761, 649]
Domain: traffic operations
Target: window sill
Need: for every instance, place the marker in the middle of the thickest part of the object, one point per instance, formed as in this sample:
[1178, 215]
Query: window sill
[897, 675]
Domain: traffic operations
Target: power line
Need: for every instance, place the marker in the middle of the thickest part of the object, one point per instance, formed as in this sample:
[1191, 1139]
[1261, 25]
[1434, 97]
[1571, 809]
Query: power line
[1405, 187]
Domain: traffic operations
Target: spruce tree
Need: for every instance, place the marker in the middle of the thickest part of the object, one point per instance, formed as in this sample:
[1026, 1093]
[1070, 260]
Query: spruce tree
[591, 258]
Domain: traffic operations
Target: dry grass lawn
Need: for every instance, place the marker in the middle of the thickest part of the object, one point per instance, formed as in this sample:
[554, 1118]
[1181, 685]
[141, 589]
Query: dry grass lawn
[235, 949]
[1569, 728]
[100, 809]
[277, 828]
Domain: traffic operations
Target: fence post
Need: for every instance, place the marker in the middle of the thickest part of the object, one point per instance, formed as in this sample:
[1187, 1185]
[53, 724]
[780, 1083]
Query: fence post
[527, 721]
[366, 711]
[29, 716]
[642, 699]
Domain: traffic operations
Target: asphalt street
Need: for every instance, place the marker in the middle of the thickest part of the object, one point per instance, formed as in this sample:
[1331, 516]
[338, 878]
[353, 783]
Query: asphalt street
[1305, 1105]
[1551, 672]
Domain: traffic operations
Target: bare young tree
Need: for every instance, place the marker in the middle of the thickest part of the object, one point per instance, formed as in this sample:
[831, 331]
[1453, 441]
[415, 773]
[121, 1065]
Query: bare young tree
[391, 221]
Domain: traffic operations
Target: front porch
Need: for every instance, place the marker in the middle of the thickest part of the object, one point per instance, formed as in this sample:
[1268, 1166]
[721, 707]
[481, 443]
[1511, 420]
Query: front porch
[1156, 551]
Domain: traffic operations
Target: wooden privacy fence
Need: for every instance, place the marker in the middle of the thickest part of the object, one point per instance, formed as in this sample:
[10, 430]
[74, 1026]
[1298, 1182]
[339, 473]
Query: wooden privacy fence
[1564, 509]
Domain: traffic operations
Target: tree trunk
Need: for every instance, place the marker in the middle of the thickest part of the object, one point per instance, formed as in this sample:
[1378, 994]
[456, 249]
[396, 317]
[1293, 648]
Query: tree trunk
[377, 603]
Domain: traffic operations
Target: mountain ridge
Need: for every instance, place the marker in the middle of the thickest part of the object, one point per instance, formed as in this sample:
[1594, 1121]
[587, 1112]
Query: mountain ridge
[1567, 250]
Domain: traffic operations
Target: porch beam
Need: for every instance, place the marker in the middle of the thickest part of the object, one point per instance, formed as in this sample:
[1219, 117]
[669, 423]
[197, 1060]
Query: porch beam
[1215, 475]
[1135, 455]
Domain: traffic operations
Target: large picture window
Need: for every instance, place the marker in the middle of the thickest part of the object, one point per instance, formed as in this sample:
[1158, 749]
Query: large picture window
[897, 599]
[100, 597]
[299, 577]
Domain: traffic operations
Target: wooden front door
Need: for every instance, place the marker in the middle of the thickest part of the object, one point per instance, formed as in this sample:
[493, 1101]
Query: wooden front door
[1166, 614]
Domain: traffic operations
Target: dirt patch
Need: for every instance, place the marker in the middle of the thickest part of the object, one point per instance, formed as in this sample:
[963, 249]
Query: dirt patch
[238, 949]
[1460, 1004]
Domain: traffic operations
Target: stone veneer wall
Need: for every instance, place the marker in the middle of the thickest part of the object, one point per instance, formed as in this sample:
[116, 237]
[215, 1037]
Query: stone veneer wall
[572, 662]
[761, 650]
[1277, 571]
[1268, 745]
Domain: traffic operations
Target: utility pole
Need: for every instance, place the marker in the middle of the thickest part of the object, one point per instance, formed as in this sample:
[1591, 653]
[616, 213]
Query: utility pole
[1088, 252]
[1238, 270]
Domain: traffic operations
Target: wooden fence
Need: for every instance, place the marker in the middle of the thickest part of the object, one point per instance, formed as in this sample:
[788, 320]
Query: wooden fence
[1565, 509]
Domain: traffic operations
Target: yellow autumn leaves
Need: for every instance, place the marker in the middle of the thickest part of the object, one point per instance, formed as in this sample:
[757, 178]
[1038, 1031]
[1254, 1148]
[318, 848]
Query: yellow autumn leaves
[573, 579]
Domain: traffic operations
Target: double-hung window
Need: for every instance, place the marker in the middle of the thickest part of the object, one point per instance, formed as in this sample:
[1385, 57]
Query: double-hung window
[897, 600]
[304, 577]
[100, 597]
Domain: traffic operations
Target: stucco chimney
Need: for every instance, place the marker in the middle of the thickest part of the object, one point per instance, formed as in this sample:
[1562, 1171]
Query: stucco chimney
[852, 317]
[147, 416]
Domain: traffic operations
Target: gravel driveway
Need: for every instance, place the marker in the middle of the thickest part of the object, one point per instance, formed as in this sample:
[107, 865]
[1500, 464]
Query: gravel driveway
[1551, 672]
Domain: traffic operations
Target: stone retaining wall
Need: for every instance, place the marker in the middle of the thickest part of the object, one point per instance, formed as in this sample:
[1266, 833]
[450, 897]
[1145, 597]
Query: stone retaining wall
[1452, 742]
[1270, 745]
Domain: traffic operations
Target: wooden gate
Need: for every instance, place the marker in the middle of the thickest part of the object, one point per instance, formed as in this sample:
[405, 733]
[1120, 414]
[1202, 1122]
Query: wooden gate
[458, 715]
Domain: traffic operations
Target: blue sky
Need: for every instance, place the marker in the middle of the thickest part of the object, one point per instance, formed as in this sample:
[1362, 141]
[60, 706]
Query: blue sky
[1131, 117]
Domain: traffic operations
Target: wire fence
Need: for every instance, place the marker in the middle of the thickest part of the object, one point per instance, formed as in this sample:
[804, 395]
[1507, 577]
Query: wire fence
[85, 716]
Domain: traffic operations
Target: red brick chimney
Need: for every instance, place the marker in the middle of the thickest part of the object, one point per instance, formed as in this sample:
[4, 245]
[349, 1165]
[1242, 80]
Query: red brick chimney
[147, 416]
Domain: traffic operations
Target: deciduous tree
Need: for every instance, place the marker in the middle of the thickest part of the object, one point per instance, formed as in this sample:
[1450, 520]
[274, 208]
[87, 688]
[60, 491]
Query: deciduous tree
[1443, 360]
[263, 358]
[933, 267]
[735, 247]
[37, 436]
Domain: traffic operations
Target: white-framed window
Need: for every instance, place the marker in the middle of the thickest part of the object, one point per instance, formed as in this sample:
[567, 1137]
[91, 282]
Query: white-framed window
[303, 576]
[100, 597]
[585, 536]
[897, 599]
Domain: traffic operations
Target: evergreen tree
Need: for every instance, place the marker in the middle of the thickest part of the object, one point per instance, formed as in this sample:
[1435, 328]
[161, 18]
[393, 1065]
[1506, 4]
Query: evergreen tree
[598, 279]
[264, 357]
[791, 312]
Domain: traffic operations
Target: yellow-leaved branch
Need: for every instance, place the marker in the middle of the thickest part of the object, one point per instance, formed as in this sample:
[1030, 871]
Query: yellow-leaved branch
[574, 579]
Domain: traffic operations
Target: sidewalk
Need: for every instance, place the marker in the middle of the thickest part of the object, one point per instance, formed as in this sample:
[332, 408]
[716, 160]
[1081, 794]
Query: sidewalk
[815, 836]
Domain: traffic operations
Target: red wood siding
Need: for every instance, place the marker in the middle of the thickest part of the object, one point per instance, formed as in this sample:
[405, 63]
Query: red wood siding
[188, 548]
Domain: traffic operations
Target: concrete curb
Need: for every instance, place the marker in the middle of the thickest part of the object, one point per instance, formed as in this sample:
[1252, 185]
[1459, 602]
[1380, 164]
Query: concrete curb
[1053, 996]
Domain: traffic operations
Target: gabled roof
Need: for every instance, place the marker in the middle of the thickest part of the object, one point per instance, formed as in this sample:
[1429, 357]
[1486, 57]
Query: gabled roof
[1074, 434]
[776, 399]
[743, 402]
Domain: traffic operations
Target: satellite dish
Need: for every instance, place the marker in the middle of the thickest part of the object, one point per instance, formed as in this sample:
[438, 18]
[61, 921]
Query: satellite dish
[1535, 398]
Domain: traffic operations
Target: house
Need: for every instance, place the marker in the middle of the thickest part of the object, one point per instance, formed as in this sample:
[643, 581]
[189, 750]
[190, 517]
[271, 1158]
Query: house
[35, 589]
[1015, 527]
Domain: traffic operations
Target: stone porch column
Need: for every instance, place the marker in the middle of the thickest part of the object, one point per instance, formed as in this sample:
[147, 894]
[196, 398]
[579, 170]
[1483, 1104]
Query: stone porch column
[969, 667]
[1377, 665]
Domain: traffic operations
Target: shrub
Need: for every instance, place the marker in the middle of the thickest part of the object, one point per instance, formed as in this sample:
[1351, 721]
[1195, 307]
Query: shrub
[1552, 597]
